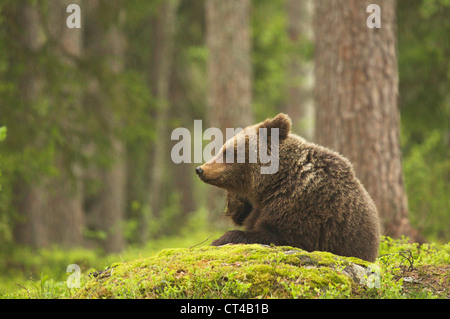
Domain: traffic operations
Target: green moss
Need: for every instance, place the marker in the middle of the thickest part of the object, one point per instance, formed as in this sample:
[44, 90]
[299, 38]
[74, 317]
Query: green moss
[258, 271]
[232, 271]
[402, 270]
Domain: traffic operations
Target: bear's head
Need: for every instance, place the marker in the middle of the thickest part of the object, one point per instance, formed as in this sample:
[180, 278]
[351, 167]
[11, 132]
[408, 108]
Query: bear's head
[251, 152]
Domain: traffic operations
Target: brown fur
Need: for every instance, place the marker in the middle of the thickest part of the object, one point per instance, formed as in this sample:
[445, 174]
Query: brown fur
[314, 201]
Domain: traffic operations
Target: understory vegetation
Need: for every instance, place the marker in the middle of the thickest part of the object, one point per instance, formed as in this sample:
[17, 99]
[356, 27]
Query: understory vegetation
[402, 270]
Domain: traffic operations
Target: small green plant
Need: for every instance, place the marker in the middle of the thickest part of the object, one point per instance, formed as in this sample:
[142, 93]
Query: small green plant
[41, 286]
[3, 132]
[2, 137]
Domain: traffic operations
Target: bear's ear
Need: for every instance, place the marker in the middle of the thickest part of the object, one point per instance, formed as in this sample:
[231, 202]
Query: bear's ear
[282, 122]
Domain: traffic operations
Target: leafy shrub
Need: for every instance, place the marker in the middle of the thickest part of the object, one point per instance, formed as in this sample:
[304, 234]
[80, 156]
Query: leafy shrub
[427, 180]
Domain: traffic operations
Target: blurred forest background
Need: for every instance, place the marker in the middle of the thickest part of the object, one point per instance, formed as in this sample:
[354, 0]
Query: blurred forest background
[86, 114]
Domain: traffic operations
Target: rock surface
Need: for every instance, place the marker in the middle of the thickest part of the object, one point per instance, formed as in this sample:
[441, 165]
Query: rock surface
[232, 271]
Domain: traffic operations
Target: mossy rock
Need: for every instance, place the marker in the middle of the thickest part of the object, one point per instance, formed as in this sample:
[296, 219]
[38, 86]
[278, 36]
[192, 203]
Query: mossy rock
[231, 271]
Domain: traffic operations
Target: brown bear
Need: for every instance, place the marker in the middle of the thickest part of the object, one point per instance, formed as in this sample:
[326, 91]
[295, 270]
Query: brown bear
[312, 201]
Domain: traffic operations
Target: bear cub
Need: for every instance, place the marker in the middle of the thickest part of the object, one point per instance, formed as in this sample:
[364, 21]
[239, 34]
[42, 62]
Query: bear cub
[313, 200]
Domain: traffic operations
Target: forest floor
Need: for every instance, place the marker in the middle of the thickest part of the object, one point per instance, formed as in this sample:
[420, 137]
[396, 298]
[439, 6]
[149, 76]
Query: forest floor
[258, 271]
[403, 270]
[435, 279]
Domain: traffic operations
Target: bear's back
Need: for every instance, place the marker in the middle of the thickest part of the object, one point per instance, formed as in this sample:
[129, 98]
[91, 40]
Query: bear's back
[329, 208]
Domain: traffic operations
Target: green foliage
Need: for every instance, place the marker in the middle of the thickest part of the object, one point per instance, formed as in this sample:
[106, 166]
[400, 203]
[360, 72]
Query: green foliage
[410, 270]
[2, 133]
[423, 48]
[423, 66]
[433, 254]
[271, 53]
[270, 56]
[5, 229]
[2, 137]
[27, 273]
[427, 171]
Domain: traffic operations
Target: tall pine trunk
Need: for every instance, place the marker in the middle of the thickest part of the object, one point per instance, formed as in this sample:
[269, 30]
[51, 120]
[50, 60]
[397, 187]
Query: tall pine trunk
[356, 101]
[229, 72]
[31, 228]
[50, 207]
[160, 75]
[106, 211]
[64, 205]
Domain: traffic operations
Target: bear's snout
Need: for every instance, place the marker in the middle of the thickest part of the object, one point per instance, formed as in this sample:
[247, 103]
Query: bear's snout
[199, 171]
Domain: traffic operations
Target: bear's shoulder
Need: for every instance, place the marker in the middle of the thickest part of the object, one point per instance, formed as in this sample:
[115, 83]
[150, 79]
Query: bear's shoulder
[301, 152]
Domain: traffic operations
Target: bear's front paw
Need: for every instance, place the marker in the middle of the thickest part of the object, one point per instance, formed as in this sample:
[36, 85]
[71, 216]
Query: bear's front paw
[217, 243]
[230, 237]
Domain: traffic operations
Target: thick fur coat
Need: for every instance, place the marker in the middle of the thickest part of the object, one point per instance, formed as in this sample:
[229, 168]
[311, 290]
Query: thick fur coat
[313, 201]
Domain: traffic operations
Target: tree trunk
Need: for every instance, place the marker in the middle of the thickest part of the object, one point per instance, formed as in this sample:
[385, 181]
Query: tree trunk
[229, 73]
[229, 63]
[31, 228]
[107, 207]
[356, 101]
[51, 208]
[115, 178]
[64, 204]
[160, 76]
